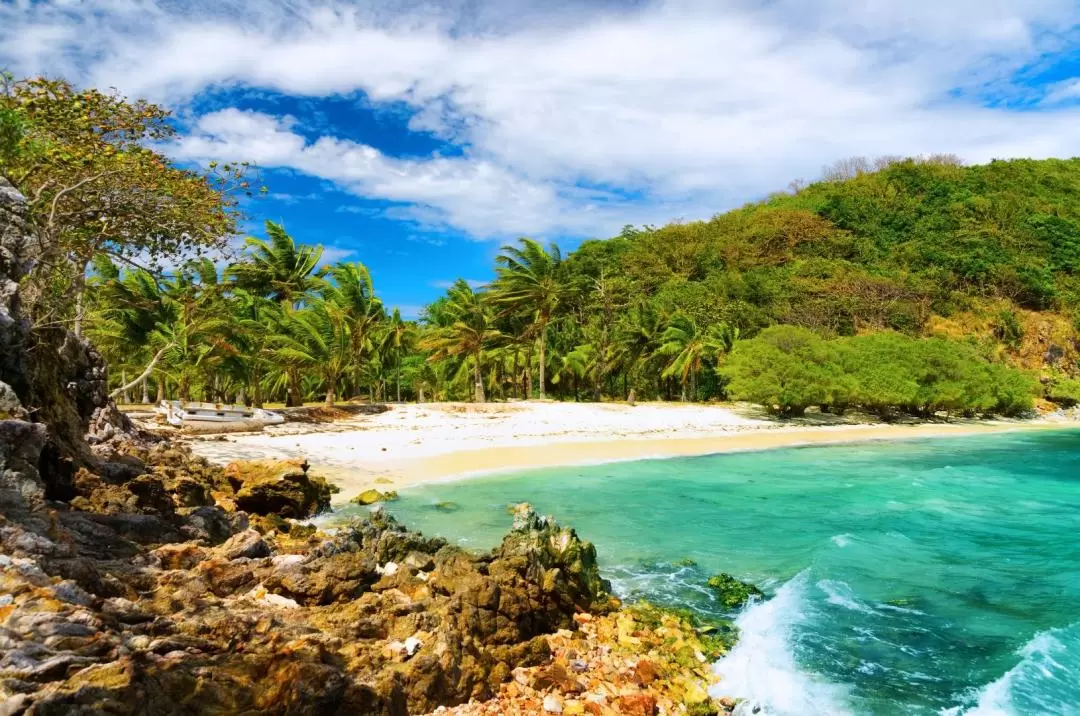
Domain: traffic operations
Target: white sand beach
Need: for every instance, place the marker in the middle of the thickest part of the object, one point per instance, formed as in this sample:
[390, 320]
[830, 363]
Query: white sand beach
[414, 443]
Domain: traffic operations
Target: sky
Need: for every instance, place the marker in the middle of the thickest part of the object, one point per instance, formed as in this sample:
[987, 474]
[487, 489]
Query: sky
[419, 137]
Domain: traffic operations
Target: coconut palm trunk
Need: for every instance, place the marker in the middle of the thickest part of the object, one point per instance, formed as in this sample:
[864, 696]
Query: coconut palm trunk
[543, 358]
[478, 379]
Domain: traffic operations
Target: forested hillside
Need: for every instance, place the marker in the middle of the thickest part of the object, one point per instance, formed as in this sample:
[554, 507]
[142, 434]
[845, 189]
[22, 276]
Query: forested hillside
[899, 248]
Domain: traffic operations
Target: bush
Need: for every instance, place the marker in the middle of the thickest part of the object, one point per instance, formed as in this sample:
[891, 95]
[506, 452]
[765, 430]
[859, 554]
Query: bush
[786, 368]
[1064, 391]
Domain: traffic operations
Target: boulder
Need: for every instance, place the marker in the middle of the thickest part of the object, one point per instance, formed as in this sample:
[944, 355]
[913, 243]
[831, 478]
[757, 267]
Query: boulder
[248, 544]
[278, 487]
[372, 496]
[731, 593]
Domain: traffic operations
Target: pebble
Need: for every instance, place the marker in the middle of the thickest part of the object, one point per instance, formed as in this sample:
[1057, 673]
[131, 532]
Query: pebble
[553, 704]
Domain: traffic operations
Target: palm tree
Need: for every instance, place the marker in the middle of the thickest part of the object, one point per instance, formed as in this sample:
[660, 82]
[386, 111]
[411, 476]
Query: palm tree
[687, 347]
[128, 307]
[277, 268]
[528, 284]
[197, 330]
[636, 338]
[398, 337]
[319, 339]
[253, 319]
[466, 332]
[351, 288]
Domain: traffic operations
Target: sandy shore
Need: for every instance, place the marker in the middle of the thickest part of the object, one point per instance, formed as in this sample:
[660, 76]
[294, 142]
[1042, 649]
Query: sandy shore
[416, 443]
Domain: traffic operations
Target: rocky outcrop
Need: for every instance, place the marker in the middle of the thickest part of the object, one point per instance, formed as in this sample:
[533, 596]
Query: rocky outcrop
[279, 487]
[377, 619]
[640, 661]
[732, 594]
[63, 390]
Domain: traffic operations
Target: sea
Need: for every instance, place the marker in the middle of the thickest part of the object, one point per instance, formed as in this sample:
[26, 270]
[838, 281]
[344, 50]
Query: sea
[930, 576]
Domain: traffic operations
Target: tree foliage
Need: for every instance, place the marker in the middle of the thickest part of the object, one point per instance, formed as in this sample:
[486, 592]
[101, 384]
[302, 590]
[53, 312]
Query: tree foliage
[87, 162]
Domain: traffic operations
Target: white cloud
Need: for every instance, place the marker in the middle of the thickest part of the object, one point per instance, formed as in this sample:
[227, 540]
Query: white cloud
[473, 283]
[1063, 92]
[333, 254]
[691, 106]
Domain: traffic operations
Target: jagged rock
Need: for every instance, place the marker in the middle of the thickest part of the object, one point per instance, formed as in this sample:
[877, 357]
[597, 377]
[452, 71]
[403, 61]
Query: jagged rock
[211, 525]
[731, 593]
[248, 544]
[21, 443]
[279, 487]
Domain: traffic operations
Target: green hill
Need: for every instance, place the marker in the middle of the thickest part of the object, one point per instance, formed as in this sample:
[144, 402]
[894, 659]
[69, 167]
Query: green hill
[991, 252]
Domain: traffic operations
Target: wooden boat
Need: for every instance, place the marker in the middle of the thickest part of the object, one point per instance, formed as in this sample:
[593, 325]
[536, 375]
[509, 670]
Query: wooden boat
[179, 413]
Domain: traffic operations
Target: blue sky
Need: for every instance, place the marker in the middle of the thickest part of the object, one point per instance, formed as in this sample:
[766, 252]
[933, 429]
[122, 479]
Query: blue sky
[418, 137]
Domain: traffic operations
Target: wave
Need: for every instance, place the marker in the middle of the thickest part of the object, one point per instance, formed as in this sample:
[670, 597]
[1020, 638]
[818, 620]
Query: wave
[1045, 681]
[841, 595]
[762, 670]
[841, 540]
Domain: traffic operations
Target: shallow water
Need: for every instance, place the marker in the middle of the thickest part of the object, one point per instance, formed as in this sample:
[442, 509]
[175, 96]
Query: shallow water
[918, 577]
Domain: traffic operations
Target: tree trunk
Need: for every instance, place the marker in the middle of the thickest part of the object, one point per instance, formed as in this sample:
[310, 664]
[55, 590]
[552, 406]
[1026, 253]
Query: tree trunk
[145, 391]
[420, 393]
[160, 390]
[479, 381]
[397, 384]
[80, 304]
[330, 386]
[543, 347]
[296, 396]
[515, 376]
[528, 374]
[145, 374]
[185, 388]
[126, 390]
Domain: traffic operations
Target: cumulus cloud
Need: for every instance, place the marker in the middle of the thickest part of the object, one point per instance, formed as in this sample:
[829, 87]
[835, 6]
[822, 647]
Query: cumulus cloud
[585, 117]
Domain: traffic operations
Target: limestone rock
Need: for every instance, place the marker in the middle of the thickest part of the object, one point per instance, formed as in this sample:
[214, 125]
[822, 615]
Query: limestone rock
[279, 487]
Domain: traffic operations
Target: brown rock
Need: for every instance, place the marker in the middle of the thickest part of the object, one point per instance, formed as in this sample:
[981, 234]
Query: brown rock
[637, 705]
[278, 487]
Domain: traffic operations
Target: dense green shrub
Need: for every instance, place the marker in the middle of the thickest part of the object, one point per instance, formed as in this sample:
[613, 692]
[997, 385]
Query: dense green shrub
[788, 369]
[1064, 391]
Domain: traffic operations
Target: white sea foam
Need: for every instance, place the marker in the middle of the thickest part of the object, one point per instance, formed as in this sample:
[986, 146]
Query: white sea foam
[1045, 681]
[840, 594]
[841, 540]
[761, 668]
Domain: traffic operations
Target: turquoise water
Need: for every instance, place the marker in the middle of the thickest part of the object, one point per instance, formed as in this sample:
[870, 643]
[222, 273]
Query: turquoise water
[915, 577]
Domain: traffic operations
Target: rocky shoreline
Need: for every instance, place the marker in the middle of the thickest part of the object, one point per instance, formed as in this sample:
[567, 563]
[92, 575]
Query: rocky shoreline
[136, 578]
[158, 595]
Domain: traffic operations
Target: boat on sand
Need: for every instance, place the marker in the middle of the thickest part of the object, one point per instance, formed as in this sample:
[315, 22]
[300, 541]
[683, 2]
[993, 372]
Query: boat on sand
[186, 413]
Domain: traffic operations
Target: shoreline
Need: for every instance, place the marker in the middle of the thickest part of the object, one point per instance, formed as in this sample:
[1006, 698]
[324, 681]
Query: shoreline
[412, 445]
[466, 464]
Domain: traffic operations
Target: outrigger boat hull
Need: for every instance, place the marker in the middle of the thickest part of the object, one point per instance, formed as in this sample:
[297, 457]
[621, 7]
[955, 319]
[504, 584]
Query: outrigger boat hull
[178, 413]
